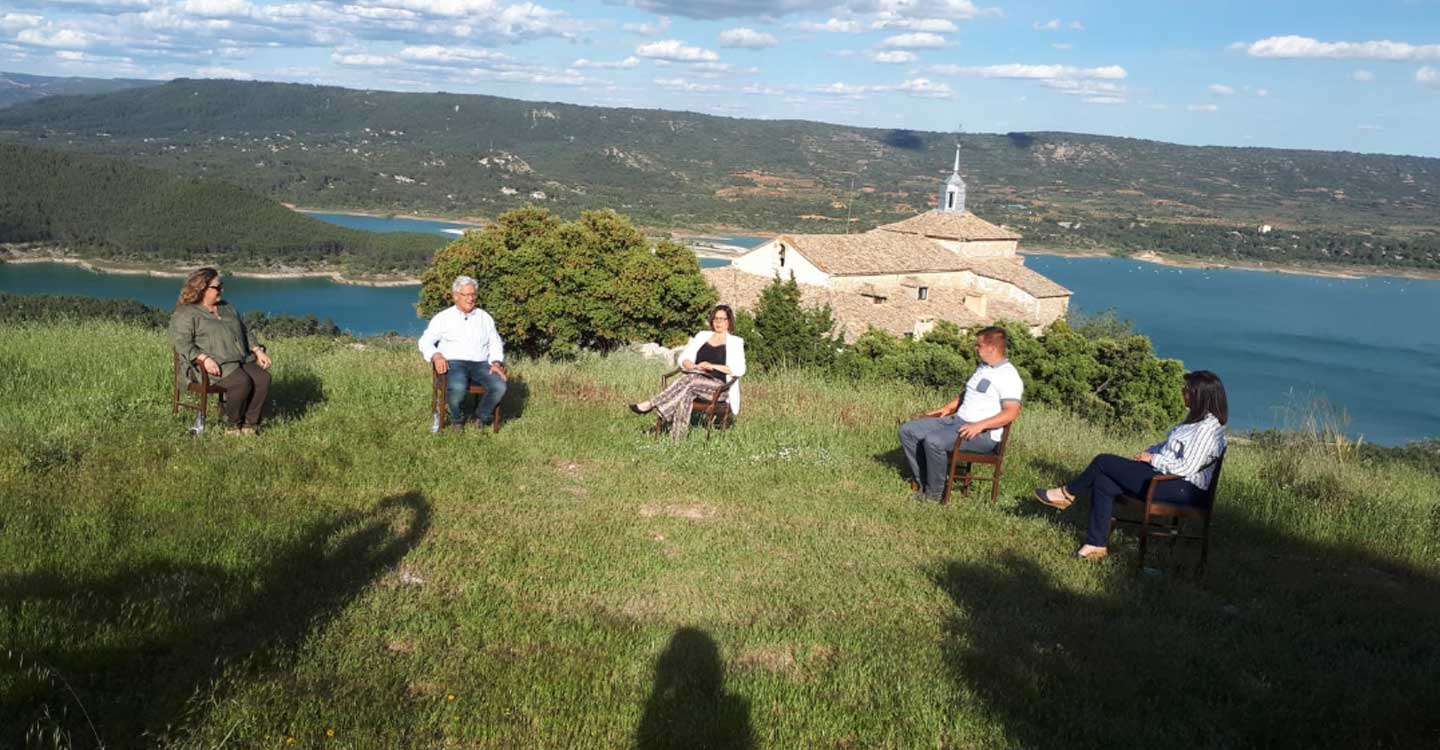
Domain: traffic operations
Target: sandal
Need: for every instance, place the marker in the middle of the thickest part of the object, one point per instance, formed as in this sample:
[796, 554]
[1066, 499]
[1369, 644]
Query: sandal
[1060, 503]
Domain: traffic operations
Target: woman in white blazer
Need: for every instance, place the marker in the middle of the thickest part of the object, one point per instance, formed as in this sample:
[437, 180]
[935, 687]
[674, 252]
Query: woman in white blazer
[709, 359]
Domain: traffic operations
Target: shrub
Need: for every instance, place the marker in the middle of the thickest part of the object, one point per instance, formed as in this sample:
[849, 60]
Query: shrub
[782, 333]
[558, 287]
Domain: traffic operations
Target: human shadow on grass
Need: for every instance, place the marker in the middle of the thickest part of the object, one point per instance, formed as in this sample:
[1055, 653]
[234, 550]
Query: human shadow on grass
[1293, 646]
[894, 459]
[292, 395]
[688, 708]
[130, 658]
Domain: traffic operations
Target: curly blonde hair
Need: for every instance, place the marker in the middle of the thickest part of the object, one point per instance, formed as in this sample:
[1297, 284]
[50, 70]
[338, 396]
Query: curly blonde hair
[194, 289]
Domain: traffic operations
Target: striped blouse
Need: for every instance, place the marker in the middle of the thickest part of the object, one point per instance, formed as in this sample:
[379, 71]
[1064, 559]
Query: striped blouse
[1190, 451]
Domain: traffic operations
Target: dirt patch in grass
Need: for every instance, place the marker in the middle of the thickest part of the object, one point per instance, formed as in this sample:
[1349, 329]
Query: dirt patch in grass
[691, 511]
[574, 389]
[773, 659]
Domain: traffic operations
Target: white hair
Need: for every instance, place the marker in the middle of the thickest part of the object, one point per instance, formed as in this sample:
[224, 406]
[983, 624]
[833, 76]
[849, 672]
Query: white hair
[462, 282]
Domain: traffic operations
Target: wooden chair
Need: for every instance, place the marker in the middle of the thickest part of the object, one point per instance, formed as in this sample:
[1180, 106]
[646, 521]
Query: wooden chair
[438, 407]
[995, 460]
[1150, 524]
[717, 406]
[202, 390]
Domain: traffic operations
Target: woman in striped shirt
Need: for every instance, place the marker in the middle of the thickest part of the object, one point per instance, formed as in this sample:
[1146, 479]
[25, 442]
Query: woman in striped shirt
[1190, 450]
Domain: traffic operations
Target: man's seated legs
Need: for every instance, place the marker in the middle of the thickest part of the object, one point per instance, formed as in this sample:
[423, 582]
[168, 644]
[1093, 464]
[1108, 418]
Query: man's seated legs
[458, 379]
[494, 391]
[927, 443]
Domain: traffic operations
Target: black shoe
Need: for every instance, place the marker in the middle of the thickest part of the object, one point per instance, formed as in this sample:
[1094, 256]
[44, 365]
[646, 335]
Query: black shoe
[636, 408]
[919, 496]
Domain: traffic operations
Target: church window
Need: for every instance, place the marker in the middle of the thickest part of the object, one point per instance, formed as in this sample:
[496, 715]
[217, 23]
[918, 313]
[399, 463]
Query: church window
[950, 199]
[923, 292]
[782, 256]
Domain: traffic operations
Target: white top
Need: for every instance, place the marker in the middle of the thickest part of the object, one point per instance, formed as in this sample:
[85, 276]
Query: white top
[734, 359]
[469, 338]
[986, 390]
[1190, 450]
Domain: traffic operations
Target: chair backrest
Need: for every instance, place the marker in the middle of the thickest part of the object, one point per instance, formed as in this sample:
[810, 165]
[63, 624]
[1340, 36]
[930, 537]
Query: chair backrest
[1005, 438]
[1214, 481]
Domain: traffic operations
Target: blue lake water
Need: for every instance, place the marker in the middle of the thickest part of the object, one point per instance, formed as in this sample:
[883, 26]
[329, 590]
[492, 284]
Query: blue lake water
[1278, 340]
[385, 224]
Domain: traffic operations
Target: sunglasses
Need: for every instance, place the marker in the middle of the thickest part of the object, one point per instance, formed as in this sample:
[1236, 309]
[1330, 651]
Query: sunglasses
[216, 287]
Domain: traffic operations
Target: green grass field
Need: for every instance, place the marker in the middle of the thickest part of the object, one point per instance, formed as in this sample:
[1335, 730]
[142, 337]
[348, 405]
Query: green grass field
[348, 580]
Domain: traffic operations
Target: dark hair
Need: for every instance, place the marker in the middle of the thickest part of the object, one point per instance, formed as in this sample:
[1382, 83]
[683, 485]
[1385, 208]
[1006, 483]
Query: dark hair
[1206, 395]
[194, 289]
[994, 335]
[729, 315]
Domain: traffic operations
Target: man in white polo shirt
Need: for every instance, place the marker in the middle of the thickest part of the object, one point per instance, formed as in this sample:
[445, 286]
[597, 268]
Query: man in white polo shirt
[464, 346]
[979, 416]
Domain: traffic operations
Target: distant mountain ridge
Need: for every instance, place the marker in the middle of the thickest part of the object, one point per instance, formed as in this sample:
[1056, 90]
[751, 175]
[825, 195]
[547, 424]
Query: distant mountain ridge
[471, 155]
[16, 88]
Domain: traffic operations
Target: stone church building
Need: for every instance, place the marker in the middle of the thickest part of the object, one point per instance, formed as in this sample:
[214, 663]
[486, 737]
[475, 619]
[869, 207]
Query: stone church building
[944, 264]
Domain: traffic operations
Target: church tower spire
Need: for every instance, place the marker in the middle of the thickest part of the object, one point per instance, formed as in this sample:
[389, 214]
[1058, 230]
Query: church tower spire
[952, 193]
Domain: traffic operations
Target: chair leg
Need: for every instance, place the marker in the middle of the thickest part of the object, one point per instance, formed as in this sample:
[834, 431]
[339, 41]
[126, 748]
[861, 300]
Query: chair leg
[995, 486]
[1204, 547]
[1144, 540]
[495, 421]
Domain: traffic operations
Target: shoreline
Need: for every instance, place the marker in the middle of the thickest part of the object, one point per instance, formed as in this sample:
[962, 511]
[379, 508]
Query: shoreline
[175, 273]
[473, 222]
[1173, 261]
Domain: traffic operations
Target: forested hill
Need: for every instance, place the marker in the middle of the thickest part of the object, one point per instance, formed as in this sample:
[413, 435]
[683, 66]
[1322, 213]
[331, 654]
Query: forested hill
[22, 87]
[112, 209]
[464, 155]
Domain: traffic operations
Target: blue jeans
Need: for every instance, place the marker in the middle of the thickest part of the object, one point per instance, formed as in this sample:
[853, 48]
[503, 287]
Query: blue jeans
[927, 442]
[459, 377]
[1108, 476]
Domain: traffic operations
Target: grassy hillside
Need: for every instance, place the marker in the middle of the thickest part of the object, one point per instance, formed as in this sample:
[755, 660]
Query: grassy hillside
[22, 87]
[454, 155]
[571, 582]
[113, 209]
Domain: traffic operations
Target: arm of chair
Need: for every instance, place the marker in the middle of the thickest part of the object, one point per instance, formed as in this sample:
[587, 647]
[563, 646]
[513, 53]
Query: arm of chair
[1155, 482]
[722, 388]
[669, 375]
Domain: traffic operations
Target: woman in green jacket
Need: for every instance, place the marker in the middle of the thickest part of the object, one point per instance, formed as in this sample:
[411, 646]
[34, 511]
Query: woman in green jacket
[208, 333]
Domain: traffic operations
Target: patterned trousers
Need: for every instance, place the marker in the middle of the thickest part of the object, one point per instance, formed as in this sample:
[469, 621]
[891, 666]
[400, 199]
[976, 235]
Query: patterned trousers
[676, 401]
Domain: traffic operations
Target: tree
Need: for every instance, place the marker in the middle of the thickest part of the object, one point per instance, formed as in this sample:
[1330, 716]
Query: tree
[557, 287]
[783, 333]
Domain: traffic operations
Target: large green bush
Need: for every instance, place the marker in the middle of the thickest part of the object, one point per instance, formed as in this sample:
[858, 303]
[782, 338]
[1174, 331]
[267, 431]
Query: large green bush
[780, 332]
[557, 287]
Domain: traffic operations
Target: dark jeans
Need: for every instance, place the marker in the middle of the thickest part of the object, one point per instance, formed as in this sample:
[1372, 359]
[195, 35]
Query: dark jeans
[245, 391]
[927, 443]
[1109, 476]
[459, 377]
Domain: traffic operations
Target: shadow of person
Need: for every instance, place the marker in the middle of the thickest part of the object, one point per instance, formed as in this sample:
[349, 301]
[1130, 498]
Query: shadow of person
[293, 392]
[517, 397]
[893, 459]
[688, 708]
[125, 659]
[1147, 663]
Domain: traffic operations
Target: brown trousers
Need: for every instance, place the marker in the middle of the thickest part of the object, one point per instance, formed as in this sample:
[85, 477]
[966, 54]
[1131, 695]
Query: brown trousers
[245, 392]
[676, 401]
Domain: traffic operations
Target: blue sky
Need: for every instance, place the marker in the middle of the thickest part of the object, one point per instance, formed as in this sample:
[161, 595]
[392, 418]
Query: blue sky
[1324, 75]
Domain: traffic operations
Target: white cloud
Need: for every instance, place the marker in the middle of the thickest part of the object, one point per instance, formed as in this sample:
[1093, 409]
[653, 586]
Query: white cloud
[1033, 72]
[1062, 46]
[1369, 127]
[1105, 100]
[940, 25]
[1077, 26]
[1305, 47]
[61, 38]
[434, 54]
[230, 73]
[360, 60]
[916, 40]
[11, 23]
[955, 10]
[687, 86]
[1428, 76]
[747, 38]
[1262, 92]
[216, 8]
[832, 26]
[655, 28]
[628, 62]
[1363, 76]
[1220, 89]
[756, 89]
[1202, 107]
[893, 57]
[1051, 25]
[675, 51]
[924, 87]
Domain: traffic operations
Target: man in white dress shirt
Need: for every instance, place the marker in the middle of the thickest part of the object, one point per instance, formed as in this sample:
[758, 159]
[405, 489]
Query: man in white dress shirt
[978, 416]
[464, 346]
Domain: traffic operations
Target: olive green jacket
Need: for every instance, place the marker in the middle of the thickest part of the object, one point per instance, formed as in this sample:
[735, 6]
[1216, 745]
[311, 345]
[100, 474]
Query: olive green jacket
[220, 336]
